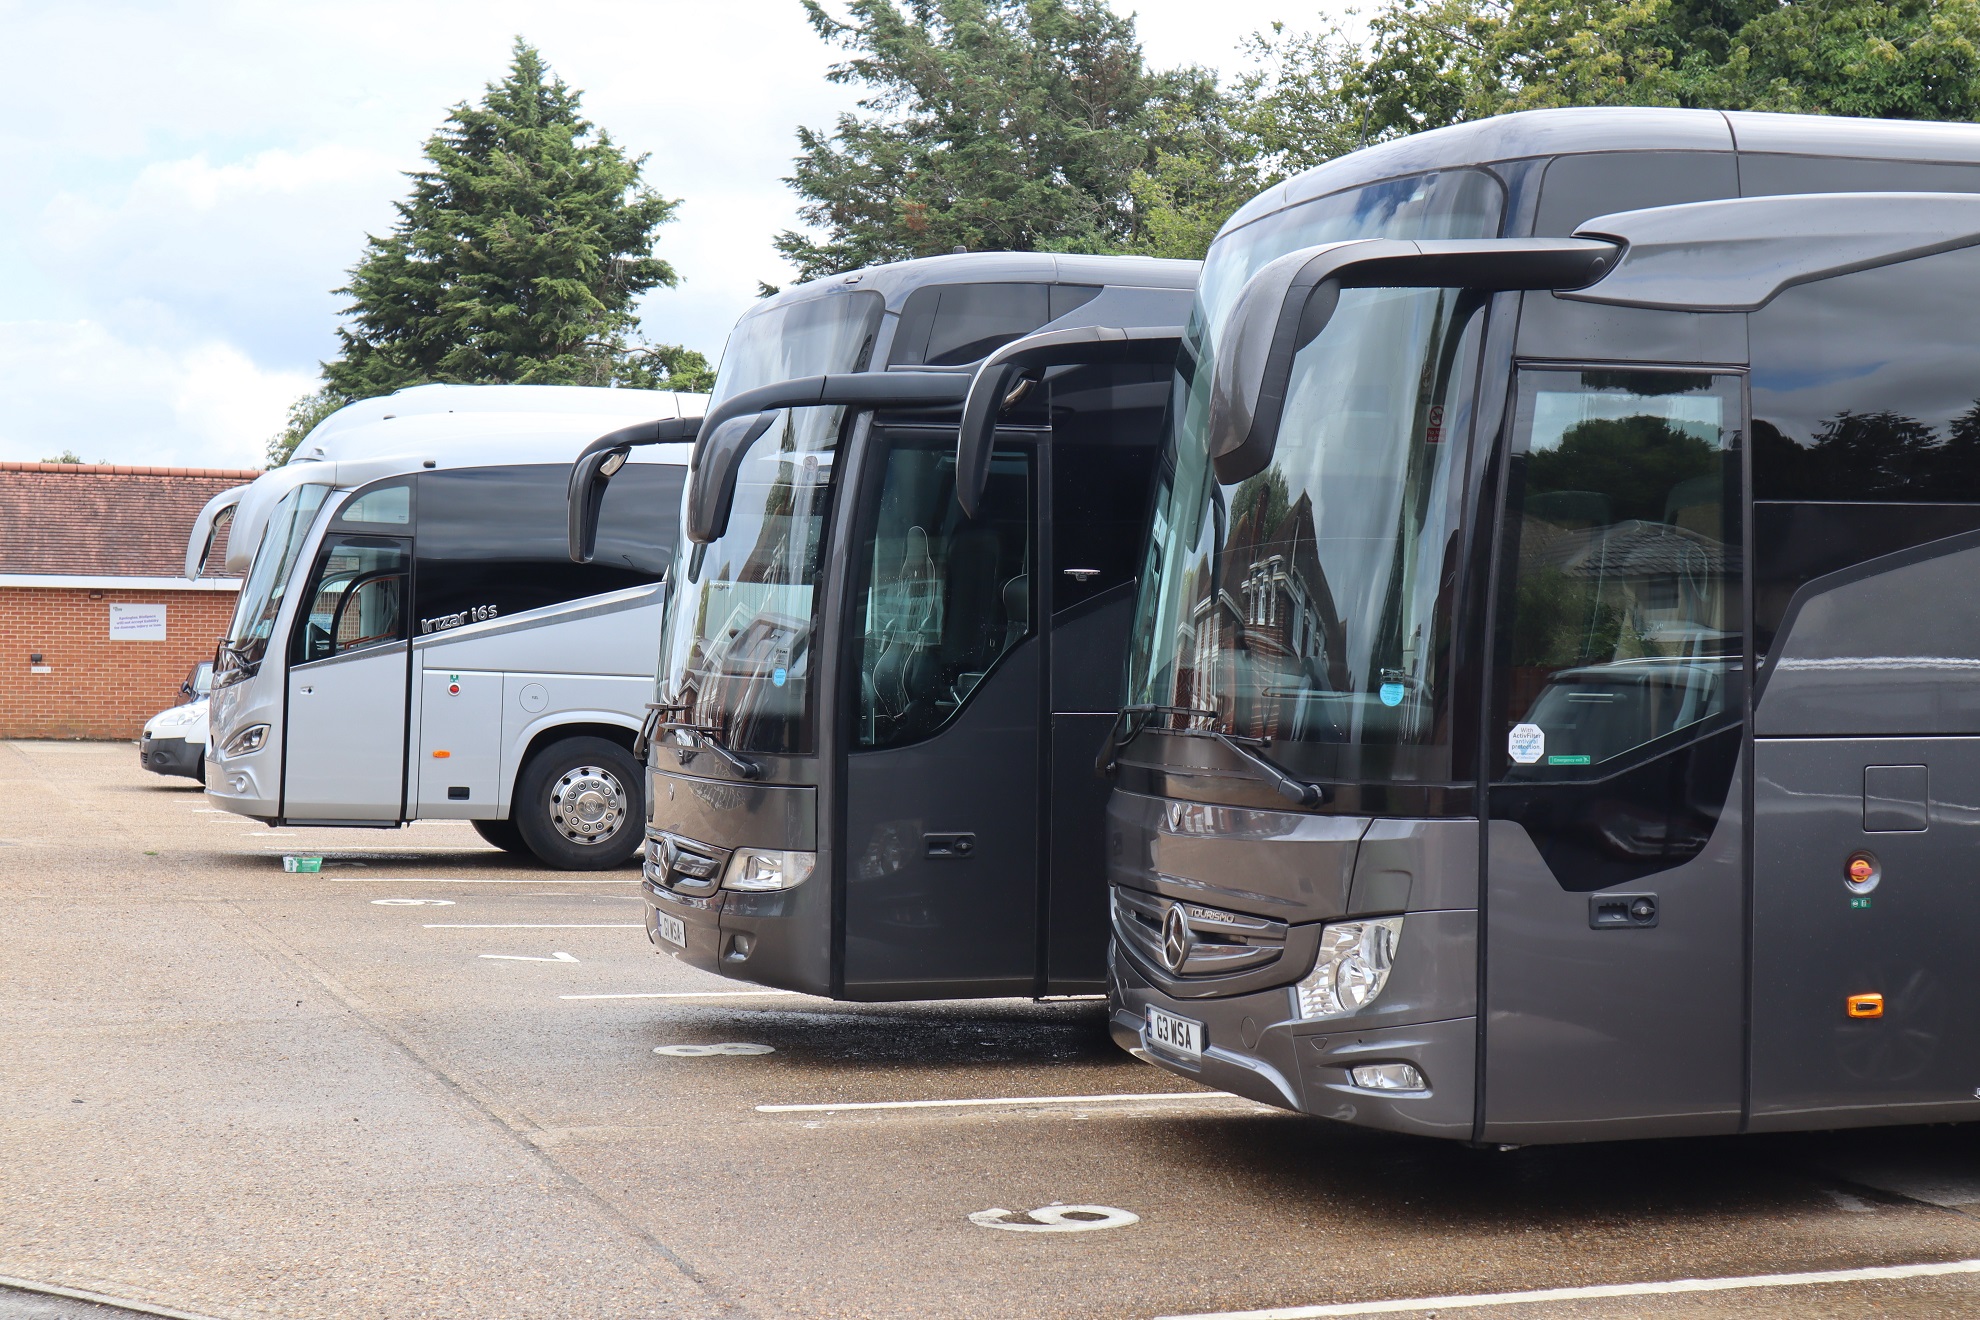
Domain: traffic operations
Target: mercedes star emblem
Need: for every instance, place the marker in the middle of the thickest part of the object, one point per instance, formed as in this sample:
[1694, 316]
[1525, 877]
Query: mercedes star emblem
[1175, 940]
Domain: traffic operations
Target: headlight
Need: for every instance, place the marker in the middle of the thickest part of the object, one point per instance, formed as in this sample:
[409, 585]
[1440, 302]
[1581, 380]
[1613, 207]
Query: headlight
[177, 717]
[1354, 962]
[758, 871]
[247, 740]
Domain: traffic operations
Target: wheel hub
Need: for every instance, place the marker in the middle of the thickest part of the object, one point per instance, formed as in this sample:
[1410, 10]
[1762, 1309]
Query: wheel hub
[588, 804]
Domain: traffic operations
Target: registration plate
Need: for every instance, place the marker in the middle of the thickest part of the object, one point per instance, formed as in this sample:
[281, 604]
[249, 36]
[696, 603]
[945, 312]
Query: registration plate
[1176, 1035]
[671, 929]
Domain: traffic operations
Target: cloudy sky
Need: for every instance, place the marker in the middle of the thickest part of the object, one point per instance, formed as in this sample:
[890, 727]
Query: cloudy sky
[187, 181]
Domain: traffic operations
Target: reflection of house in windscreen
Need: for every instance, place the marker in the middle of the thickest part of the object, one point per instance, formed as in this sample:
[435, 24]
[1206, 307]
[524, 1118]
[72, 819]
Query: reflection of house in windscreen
[1274, 604]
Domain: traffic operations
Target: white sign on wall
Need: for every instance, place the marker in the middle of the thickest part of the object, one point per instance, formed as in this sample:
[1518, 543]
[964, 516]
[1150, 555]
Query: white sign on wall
[137, 623]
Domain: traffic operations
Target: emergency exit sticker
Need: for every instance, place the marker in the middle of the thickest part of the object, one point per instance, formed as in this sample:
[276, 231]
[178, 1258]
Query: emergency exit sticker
[1526, 743]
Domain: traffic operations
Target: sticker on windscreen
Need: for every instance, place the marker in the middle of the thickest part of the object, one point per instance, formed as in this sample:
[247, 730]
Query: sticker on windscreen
[1526, 744]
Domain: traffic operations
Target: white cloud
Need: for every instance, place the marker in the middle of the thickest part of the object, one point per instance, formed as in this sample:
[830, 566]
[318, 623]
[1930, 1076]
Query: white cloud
[77, 385]
[174, 229]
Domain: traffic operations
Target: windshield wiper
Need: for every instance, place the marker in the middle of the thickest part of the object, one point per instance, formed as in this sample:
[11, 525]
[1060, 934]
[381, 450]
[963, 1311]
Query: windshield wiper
[1136, 718]
[1248, 750]
[707, 739]
[650, 724]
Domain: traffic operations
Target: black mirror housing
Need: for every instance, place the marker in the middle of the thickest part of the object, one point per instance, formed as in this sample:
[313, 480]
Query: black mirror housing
[597, 464]
[1286, 305]
[712, 482]
[735, 423]
[991, 389]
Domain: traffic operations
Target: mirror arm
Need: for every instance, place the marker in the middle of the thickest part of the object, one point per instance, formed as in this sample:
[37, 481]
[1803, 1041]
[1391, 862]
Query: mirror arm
[713, 469]
[1005, 376]
[585, 496]
[1243, 444]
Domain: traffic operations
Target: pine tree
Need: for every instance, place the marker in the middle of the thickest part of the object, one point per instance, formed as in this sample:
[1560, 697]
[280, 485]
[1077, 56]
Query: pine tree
[1016, 125]
[517, 258]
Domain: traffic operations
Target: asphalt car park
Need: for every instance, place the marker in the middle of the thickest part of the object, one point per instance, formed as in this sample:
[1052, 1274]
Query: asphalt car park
[432, 1080]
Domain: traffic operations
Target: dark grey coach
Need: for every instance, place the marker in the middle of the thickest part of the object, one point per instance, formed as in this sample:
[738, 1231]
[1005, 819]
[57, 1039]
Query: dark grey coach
[1553, 710]
[870, 773]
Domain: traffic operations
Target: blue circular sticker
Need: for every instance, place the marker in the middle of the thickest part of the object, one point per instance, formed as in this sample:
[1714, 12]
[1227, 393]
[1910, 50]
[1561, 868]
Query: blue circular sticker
[1392, 694]
[779, 675]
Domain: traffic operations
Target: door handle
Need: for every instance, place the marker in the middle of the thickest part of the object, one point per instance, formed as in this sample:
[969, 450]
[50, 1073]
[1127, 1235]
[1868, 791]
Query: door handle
[1082, 574]
[306, 691]
[949, 845]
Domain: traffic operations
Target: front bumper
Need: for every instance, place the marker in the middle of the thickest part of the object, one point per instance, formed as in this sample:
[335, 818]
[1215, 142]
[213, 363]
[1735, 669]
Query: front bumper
[171, 756]
[1253, 1047]
[770, 939]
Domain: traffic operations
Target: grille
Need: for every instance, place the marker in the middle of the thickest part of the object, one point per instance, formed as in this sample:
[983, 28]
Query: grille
[1185, 939]
[689, 868]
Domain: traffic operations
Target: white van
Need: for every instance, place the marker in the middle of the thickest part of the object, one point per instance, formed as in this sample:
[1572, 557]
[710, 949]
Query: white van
[413, 641]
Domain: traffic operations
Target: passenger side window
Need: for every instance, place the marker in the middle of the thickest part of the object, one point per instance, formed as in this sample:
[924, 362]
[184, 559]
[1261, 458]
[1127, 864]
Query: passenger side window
[1621, 594]
[493, 541]
[946, 596]
[357, 598]
[1099, 517]
[948, 325]
[1866, 387]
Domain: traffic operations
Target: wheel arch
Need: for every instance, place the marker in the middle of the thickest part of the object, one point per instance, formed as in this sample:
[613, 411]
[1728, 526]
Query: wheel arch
[612, 728]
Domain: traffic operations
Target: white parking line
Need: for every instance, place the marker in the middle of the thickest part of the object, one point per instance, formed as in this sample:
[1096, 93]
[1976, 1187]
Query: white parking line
[1463, 1301]
[527, 925]
[688, 994]
[1134, 1097]
[443, 880]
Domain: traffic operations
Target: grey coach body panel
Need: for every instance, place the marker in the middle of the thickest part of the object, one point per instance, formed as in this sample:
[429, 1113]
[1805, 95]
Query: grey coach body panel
[1817, 942]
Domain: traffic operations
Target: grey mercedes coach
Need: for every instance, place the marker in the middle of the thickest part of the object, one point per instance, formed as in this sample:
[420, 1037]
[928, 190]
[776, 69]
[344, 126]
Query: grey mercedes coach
[870, 765]
[1554, 698]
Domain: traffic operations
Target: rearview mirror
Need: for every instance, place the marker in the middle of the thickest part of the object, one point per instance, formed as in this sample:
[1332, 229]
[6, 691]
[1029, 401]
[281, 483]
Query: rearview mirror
[712, 483]
[734, 424]
[997, 385]
[1286, 305]
[599, 463]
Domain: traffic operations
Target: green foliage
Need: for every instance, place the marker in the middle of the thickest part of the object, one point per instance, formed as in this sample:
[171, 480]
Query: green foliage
[1431, 63]
[66, 456]
[1436, 62]
[1016, 125]
[668, 367]
[518, 256]
[304, 414]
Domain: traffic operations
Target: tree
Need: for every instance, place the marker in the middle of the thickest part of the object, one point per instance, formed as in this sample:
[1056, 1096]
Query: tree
[669, 367]
[1287, 113]
[990, 124]
[518, 256]
[303, 416]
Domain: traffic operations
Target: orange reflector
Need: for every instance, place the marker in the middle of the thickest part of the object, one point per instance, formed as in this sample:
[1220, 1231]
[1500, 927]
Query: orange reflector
[441, 756]
[1865, 1006]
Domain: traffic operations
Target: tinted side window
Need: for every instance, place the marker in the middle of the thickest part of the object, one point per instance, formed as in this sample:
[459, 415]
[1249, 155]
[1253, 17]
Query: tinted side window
[947, 325]
[492, 541]
[1867, 387]
[1578, 188]
[1106, 438]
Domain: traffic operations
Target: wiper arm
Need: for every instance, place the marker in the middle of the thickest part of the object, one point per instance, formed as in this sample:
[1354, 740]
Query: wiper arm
[649, 725]
[1105, 764]
[706, 738]
[1291, 788]
[1249, 750]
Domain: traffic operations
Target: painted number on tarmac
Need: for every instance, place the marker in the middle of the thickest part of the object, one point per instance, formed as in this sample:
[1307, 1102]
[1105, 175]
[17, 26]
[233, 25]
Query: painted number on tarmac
[1058, 1219]
[412, 902]
[704, 1051]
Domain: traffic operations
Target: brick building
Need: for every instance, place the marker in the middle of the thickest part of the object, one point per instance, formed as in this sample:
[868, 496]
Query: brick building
[98, 625]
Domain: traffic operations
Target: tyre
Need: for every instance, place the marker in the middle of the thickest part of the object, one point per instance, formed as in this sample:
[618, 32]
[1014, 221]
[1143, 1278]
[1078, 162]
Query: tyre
[502, 834]
[579, 805]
